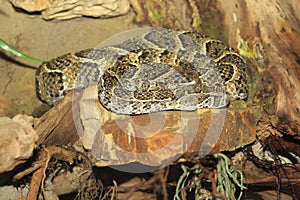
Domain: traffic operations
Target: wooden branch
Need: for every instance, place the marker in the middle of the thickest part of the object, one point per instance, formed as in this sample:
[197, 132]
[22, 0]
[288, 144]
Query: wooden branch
[57, 126]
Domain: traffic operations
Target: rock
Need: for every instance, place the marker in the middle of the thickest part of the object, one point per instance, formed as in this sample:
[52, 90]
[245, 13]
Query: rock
[31, 6]
[17, 141]
[69, 9]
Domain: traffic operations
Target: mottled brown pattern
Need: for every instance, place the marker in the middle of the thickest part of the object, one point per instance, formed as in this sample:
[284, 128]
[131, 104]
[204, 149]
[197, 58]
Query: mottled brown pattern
[160, 70]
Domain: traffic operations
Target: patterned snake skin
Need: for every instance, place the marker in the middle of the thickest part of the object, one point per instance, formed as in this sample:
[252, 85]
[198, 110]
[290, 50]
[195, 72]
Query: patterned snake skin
[157, 71]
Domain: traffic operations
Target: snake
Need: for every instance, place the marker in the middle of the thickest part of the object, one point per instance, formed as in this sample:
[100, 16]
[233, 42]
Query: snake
[159, 70]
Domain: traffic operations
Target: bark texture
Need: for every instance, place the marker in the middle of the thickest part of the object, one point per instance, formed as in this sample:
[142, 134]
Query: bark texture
[274, 28]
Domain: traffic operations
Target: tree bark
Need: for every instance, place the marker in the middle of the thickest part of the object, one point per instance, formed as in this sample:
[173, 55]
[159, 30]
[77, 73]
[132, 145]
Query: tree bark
[275, 28]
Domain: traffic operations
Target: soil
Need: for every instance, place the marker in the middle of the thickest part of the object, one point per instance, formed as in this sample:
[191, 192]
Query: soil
[30, 34]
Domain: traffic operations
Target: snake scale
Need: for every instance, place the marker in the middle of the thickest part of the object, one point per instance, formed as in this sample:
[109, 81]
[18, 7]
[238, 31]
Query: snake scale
[157, 71]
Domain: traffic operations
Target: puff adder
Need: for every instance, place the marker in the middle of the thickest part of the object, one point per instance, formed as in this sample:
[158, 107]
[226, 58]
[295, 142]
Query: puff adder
[157, 71]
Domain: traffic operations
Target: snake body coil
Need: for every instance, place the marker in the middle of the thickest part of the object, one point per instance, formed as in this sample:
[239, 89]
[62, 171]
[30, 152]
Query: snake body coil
[160, 70]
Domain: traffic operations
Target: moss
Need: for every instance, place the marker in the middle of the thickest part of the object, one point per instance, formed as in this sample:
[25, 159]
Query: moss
[273, 120]
[197, 22]
[210, 27]
[245, 49]
[156, 16]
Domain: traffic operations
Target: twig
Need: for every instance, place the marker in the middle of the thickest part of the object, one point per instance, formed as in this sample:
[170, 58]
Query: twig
[163, 180]
[35, 184]
[213, 177]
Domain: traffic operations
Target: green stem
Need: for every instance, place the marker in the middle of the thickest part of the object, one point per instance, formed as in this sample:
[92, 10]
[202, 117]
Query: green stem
[6, 47]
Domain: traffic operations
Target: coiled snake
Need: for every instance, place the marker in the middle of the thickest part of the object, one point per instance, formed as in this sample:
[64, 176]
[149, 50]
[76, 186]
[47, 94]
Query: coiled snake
[160, 70]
